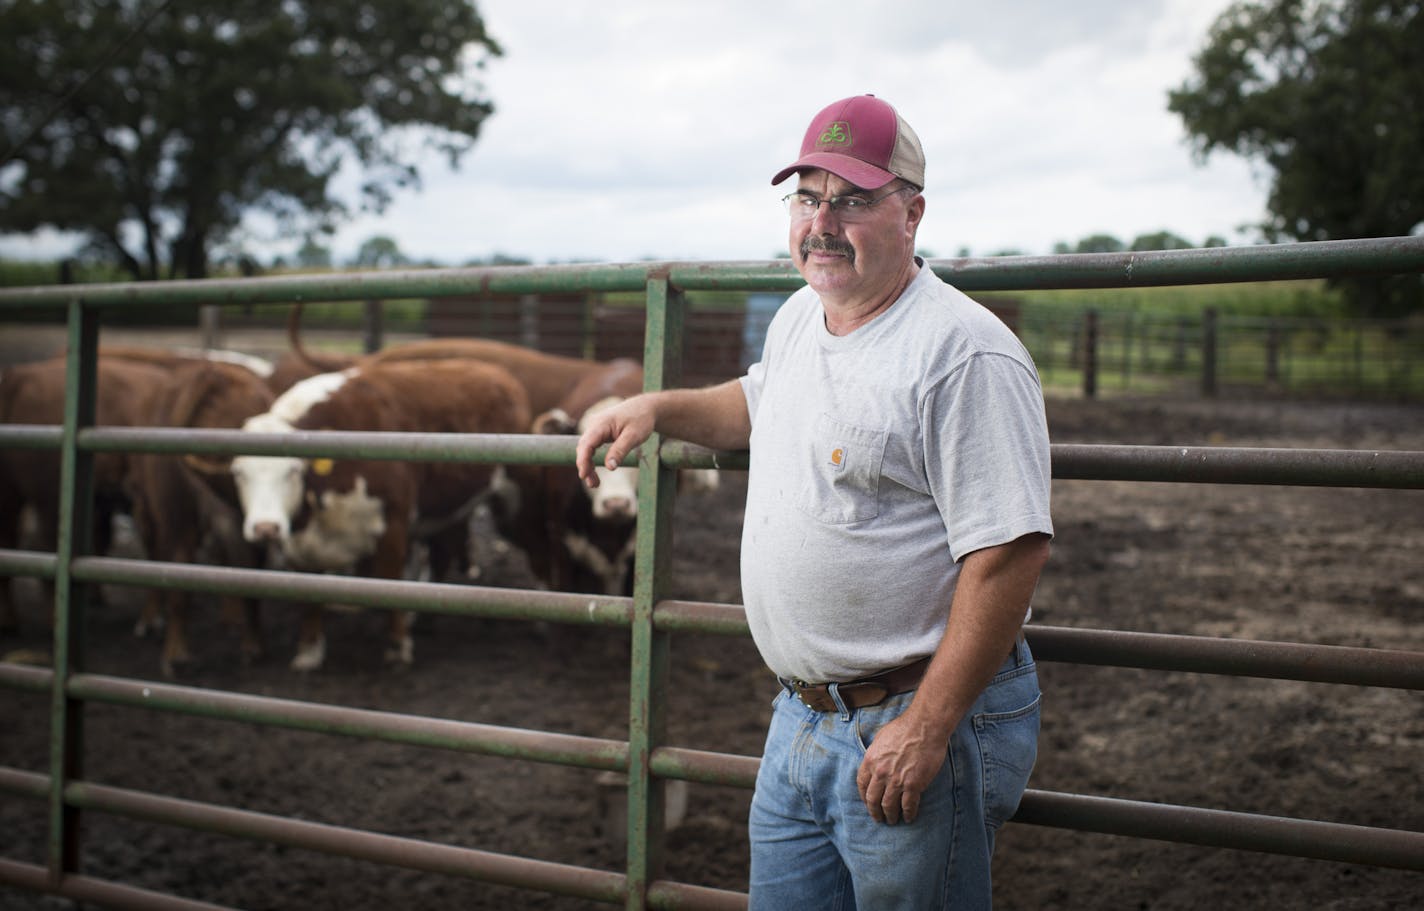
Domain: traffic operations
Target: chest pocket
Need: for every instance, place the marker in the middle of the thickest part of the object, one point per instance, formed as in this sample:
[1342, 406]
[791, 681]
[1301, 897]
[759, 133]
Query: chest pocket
[842, 472]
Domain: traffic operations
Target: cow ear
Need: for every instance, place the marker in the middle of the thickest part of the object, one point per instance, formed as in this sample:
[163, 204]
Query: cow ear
[553, 421]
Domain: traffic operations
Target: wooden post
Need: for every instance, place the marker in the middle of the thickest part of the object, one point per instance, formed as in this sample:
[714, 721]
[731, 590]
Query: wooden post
[1090, 354]
[210, 325]
[1273, 355]
[372, 325]
[1209, 353]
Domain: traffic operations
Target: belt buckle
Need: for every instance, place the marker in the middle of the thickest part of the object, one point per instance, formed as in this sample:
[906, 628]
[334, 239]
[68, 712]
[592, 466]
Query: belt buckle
[801, 687]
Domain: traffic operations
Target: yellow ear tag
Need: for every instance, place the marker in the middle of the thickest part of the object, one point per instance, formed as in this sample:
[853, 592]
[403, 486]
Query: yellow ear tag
[322, 467]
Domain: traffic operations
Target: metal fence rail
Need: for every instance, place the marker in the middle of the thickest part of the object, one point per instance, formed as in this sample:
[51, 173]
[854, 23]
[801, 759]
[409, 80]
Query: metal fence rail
[651, 618]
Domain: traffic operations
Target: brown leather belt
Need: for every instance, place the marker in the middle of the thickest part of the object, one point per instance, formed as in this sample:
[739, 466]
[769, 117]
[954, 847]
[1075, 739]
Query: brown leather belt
[866, 691]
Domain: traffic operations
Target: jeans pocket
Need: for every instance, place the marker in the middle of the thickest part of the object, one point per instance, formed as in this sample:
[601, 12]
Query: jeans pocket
[869, 720]
[1008, 748]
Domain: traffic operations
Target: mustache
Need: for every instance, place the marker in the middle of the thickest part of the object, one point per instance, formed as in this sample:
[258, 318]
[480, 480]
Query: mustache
[827, 245]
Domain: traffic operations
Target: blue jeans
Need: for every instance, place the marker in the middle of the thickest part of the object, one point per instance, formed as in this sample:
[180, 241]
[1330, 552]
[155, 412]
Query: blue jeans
[815, 846]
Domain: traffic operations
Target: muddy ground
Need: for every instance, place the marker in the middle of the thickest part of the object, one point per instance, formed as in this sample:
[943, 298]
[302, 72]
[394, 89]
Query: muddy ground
[1329, 566]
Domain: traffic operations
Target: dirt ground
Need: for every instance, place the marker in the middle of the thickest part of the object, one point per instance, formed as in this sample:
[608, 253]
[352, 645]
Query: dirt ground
[1329, 566]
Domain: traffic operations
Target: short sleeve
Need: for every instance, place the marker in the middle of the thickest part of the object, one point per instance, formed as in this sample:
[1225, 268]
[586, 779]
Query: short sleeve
[987, 453]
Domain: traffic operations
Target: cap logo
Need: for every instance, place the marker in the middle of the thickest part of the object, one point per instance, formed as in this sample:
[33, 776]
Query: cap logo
[836, 133]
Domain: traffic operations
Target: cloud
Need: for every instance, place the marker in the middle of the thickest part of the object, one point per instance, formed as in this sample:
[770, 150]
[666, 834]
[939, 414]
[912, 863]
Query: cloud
[636, 129]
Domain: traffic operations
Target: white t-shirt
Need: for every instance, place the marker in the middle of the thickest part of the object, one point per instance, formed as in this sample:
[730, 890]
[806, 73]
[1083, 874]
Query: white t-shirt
[878, 460]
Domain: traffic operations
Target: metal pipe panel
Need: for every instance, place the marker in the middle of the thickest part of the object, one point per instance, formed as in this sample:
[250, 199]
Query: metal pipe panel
[30, 563]
[97, 891]
[427, 597]
[704, 766]
[1231, 657]
[463, 736]
[1225, 829]
[1208, 265]
[409, 853]
[1241, 465]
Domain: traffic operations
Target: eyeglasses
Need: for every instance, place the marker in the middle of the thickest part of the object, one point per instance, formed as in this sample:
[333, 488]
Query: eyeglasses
[803, 205]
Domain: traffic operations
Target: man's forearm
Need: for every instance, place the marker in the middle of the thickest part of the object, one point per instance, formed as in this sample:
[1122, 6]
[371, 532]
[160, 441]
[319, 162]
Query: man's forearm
[993, 593]
[715, 416]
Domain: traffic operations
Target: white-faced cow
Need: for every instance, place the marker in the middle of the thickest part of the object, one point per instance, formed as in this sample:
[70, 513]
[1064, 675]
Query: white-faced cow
[357, 515]
[592, 535]
[592, 532]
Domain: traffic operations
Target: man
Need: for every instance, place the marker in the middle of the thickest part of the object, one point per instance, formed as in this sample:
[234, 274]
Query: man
[896, 523]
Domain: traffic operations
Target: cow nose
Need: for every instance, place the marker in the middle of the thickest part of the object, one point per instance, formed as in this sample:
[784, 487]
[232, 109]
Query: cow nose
[265, 531]
[618, 507]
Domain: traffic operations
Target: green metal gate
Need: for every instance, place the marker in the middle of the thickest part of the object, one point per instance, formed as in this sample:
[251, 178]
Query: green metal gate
[647, 757]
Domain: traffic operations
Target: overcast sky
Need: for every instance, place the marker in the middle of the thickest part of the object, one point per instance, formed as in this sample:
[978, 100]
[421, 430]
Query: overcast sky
[633, 129]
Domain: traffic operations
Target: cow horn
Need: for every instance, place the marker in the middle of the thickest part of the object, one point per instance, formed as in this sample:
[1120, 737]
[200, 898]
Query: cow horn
[207, 464]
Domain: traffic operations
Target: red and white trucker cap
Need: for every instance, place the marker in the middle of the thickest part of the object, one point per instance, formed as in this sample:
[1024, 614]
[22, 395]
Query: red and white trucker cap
[863, 140]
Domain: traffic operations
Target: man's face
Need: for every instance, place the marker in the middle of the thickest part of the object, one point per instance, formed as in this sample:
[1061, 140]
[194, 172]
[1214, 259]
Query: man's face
[850, 261]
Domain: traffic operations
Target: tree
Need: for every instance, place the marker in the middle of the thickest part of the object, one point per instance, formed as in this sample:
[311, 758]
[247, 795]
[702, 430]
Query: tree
[312, 255]
[1330, 95]
[379, 252]
[1100, 243]
[151, 127]
[1160, 240]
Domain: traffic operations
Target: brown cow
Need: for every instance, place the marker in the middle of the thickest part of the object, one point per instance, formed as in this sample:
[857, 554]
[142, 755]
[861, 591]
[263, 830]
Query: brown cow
[182, 514]
[291, 368]
[549, 379]
[359, 516]
[29, 478]
[173, 358]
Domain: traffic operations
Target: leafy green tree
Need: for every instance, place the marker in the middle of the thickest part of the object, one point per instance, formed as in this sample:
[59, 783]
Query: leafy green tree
[151, 127]
[379, 252]
[1329, 95]
[312, 255]
[1100, 243]
[1160, 240]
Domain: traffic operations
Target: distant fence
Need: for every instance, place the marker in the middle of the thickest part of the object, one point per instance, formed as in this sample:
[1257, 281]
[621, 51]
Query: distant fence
[1093, 350]
[1101, 351]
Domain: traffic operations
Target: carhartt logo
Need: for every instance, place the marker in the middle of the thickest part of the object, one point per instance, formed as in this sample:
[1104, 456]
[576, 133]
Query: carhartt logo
[838, 457]
[835, 134]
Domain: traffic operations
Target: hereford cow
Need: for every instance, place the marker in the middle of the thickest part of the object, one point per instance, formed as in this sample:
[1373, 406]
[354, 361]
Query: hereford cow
[184, 515]
[173, 358]
[591, 532]
[359, 516]
[29, 478]
[291, 368]
[549, 380]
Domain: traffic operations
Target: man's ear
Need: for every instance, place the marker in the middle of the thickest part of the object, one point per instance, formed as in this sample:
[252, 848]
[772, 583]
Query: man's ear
[914, 213]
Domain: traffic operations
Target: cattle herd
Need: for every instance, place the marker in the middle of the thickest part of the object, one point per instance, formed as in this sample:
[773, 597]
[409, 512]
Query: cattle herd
[378, 518]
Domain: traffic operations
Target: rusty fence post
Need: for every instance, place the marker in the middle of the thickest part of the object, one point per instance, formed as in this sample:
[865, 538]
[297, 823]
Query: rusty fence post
[1209, 353]
[1090, 354]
